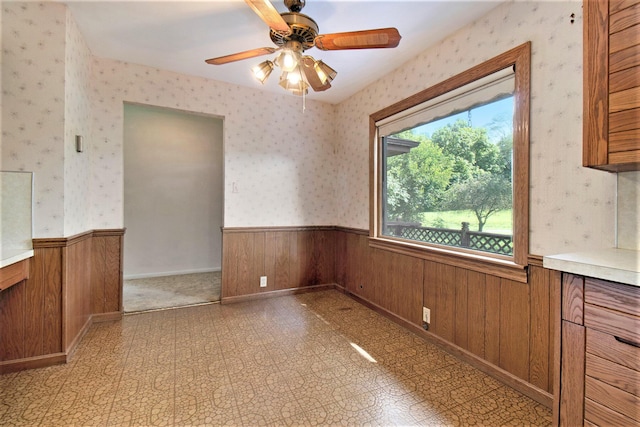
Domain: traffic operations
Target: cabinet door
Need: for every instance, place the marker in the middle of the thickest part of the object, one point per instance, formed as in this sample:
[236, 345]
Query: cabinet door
[611, 139]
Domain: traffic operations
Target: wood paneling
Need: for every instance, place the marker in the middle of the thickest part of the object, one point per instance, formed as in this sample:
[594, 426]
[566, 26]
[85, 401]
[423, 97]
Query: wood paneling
[290, 258]
[46, 316]
[611, 85]
[572, 370]
[500, 322]
[542, 327]
[14, 273]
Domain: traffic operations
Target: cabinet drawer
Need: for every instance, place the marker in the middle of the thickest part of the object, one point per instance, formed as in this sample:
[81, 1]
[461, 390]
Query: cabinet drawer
[616, 296]
[606, 346]
[598, 415]
[613, 374]
[613, 398]
[621, 325]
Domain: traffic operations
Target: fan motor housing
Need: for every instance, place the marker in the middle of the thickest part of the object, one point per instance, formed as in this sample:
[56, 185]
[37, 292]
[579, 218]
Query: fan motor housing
[303, 30]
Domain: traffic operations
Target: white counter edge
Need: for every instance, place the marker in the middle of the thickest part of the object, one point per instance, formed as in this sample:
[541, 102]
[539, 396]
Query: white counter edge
[16, 257]
[613, 264]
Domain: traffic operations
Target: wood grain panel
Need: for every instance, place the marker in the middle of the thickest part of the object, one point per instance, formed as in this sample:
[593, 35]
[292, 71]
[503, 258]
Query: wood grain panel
[14, 273]
[257, 265]
[611, 373]
[572, 371]
[443, 317]
[230, 248]
[624, 141]
[623, 17]
[429, 286]
[282, 280]
[34, 319]
[599, 415]
[12, 319]
[572, 298]
[98, 267]
[607, 347]
[624, 59]
[624, 120]
[51, 259]
[620, 401]
[270, 260]
[461, 310]
[612, 295]
[624, 100]
[515, 328]
[492, 318]
[76, 289]
[540, 319]
[476, 292]
[624, 39]
[618, 5]
[406, 289]
[595, 71]
[619, 324]
[113, 273]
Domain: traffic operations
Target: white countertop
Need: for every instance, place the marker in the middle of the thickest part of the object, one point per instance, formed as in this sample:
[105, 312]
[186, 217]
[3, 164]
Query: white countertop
[14, 255]
[616, 265]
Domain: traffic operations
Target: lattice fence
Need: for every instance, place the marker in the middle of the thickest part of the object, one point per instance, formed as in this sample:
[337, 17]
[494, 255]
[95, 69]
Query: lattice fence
[463, 238]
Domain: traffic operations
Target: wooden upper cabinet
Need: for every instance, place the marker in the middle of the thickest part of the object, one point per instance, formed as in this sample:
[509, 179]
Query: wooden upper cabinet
[612, 85]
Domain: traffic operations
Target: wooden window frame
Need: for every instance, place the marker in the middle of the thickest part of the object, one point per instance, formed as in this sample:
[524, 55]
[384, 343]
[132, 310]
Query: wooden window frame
[514, 267]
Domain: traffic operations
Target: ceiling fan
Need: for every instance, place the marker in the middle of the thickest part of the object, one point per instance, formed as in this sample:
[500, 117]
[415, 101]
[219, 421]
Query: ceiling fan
[293, 33]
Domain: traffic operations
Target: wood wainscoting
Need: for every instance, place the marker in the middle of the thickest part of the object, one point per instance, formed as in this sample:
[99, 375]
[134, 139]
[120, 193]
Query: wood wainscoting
[73, 281]
[501, 326]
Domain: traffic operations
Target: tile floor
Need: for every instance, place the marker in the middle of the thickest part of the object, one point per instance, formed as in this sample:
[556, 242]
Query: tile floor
[153, 293]
[312, 359]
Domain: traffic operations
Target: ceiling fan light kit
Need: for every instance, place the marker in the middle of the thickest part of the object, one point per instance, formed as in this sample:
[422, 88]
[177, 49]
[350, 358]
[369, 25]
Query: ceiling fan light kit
[293, 33]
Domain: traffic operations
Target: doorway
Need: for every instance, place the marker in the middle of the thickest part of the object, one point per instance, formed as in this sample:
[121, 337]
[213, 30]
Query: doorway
[173, 208]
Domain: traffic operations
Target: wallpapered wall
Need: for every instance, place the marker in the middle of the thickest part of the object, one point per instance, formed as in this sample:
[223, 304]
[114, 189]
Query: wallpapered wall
[279, 160]
[33, 95]
[572, 208]
[289, 167]
[77, 117]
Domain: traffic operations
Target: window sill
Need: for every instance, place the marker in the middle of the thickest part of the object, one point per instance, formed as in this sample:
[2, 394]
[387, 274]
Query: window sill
[505, 269]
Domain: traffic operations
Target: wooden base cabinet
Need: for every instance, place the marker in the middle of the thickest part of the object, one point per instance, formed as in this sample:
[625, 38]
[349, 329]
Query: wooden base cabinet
[599, 353]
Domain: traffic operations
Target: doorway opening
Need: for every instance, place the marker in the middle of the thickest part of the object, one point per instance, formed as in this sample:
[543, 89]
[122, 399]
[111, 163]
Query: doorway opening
[173, 208]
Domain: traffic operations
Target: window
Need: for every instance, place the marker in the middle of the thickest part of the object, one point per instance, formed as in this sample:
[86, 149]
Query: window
[451, 166]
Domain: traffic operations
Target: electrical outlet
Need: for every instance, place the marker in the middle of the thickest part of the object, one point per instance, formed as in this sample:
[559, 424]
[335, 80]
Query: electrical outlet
[263, 281]
[426, 315]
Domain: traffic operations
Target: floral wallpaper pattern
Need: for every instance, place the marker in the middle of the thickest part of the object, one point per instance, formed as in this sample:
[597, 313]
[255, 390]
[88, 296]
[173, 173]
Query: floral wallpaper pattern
[572, 208]
[77, 122]
[279, 160]
[33, 95]
[284, 166]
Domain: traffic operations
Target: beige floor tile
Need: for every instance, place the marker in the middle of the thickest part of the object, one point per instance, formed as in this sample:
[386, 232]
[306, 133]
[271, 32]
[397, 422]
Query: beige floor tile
[312, 359]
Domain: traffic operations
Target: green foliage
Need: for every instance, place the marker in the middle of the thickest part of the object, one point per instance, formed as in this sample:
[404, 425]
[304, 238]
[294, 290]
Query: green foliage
[416, 180]
[459, 168]
[484, 195]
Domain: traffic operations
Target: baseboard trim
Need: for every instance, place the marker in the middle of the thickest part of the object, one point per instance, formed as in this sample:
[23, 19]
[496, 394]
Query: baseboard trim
[170, 273]
[106, 317]
[488, 368]
[32, 362]
[276, 293]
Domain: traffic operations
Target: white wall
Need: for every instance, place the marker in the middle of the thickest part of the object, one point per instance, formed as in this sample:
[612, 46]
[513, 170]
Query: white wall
[173, 192]
[572, 208]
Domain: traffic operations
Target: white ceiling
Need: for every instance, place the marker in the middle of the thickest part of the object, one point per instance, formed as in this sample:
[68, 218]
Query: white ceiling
[180, 35]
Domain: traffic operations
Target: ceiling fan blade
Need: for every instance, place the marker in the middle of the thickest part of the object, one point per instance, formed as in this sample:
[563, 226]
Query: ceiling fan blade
[240, 56]
[311, 75]
[268, 13]
[366, 39]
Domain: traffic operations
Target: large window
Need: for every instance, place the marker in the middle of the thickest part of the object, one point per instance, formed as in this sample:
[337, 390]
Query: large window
[450, 165]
